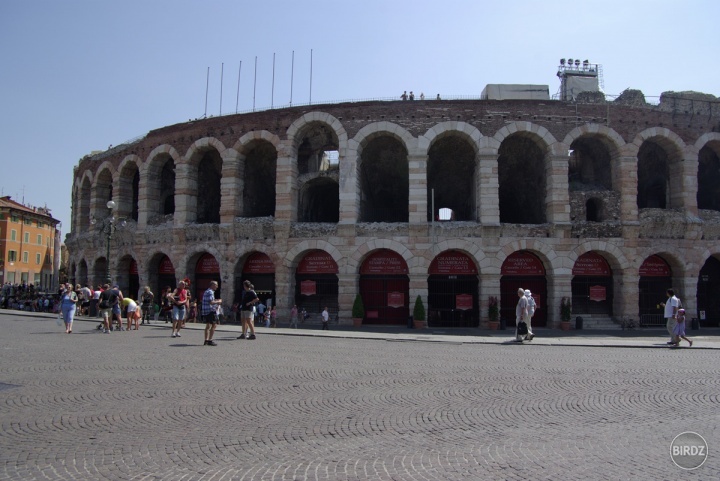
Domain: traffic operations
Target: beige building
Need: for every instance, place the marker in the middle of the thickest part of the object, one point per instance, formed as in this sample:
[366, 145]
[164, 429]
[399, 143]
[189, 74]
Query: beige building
[455, 201]
[29, 245]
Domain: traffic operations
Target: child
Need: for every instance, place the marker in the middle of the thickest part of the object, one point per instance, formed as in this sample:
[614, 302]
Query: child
[273, 317]
[192, 314]
[680, 327]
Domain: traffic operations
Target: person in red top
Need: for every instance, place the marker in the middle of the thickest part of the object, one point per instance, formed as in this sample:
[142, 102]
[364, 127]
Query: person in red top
[179, 301]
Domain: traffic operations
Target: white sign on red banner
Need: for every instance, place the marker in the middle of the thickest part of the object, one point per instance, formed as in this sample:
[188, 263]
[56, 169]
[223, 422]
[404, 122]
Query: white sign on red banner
[591, 264]
[655, 266]
[598, 293]
[207, 265]
[308, 288]
[522, 264]
[463, 302]
[258, 263]
[384, 261]
[396, 299]
[317, 262]
[453, 262]
[166, 266]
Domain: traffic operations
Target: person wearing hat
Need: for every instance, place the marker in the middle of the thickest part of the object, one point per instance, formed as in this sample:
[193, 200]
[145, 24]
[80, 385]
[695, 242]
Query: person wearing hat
[521, 314]
[530, 313]
[679, 330]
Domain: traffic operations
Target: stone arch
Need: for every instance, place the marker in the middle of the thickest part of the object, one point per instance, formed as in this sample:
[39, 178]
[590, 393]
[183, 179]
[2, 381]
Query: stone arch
[708, 174]
[554, 264]
[128, 197]
[678, 263]
[295, 130]
[660, 152]
[618, 261]
[595, 153]
[204, 175]
[523, 172]
[158, 182]
[294, 255]
[383, 171]
[188, 259]
[472, 249]
[257, 154]
[103, 190]
[362, 251]
[84, 202]
[452, 169]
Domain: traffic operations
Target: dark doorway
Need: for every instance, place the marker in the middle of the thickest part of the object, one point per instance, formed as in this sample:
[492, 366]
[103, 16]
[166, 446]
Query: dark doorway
[708, 293]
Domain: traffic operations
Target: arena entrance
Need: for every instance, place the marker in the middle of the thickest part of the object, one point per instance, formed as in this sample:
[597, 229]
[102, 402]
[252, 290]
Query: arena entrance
[708, 293]
[165, 278]
[523, 269]
[206, 269]
[655, 280]
[259, 269]
[592, 285]
[453, 291]
[385, 288]
[316, 283]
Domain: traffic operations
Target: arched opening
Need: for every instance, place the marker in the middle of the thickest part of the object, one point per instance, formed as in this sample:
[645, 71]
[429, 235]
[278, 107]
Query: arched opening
[521, 173]
[523, 269]
[81, 276]
[708, 293]
[316, 283]
[593, 209]
[128, 278]
[451, 174]
[259, 269]
[317, 151]
[208, 188]
[100, 272]
[129, 189]
[708, 195]
[259, 180]
[385, 288]
[453, 291]
[207, 269]
[167, 188]
[592, 285]
[653, 176]
[161, 274]
[384, 181]
[103, 194]
[655, 280]
[589, 166]
[84, 205]
[320, 200]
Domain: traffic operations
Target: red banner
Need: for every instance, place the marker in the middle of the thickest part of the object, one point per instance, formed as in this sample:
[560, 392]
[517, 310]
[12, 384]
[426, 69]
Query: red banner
[207, 265]
[453, 263]
[598, 293]
[258, 263]
[317, 262]
[166, 266]
[591, 264]
[384, 261]
[463, 302]
[655, 266]
[396, 299]
[133, 268]
[308, 288]
[522, 263]
[372, 314]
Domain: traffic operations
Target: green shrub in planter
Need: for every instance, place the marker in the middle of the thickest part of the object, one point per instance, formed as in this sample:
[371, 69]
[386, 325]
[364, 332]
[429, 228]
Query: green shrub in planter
[358, 309]
[419, 310]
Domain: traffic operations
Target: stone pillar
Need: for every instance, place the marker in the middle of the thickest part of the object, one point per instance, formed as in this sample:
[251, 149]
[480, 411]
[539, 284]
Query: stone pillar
[626, 296]
[231, 187]
[349, 185]
[284, 290]
[147, 200]
[286, 188]
[559, 286]
[185, 194]
[418, 194]
[625, 181]
[348, 288]
[686, 290]
[489, 287]
[557, 196]
[418, 287]
[684, 187]
[487, 189]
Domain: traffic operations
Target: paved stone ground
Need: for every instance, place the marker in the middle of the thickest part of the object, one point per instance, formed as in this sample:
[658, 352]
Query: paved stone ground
[142, 405]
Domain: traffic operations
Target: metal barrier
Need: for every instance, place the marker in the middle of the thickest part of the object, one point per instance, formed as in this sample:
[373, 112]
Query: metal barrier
[651, 320]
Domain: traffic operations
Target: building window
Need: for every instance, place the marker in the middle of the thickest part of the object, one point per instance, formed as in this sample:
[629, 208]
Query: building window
[41, 225]
[13, 235]
[26, 257]
[37, 259]
[39, 239]
[27, 237]
[14, 218]
[28, 221]
[12, 256]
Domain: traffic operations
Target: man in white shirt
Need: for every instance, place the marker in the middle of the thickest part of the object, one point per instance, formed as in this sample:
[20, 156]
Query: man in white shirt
[671, 310]
[325, 319]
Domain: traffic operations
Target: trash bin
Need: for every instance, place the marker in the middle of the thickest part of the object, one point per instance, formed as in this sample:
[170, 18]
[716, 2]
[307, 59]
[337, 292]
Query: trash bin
[578, 322]
[695, 324]
[410, 322]
[503, 324]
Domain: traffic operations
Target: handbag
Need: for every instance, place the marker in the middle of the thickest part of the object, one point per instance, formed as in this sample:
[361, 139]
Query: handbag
[522, 328]
[59, 320]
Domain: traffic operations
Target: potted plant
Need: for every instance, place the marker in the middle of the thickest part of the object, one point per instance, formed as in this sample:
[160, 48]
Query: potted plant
[358, 311]
[419, 314]
[493, 313]
[565, 313]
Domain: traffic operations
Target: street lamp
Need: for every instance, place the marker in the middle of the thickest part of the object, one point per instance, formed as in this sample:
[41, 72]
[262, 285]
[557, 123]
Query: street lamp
[108, 225]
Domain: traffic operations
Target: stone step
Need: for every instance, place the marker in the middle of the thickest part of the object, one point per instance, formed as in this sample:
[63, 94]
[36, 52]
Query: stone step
[604, 323]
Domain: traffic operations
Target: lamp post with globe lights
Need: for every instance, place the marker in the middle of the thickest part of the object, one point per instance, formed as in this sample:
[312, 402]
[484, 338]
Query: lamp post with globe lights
[108, 226]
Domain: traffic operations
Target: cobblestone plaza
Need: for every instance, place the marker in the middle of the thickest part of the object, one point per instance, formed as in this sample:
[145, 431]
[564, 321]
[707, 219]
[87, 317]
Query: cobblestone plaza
[143, 405]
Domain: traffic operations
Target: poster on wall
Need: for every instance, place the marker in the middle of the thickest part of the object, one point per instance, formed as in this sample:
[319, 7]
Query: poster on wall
[463, 302]
[598, 293]
[396, 299]
[308, 288]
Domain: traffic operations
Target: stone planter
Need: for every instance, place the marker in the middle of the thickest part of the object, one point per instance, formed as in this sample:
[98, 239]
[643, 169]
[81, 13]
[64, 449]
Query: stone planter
[493, 325]
[357, 321]
[565, 325]
[419, 324]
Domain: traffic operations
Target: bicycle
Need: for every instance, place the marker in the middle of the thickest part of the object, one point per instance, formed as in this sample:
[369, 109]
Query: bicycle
[628, 323]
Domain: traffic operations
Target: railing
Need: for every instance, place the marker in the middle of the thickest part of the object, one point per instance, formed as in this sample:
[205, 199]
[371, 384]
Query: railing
[651, 320]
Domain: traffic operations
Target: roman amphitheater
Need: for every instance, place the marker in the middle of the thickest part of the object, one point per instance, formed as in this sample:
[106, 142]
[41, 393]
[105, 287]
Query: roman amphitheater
[604, 202]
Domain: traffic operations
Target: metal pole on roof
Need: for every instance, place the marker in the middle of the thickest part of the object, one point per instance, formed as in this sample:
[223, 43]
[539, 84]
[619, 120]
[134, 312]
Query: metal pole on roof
[222, 69]
[255, 83]
[311, 62]
[207, 84]
[237, 97]
[272, 89]
[292, 75]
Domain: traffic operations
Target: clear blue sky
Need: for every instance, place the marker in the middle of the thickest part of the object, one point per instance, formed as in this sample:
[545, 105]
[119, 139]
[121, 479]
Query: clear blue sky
[79, 75]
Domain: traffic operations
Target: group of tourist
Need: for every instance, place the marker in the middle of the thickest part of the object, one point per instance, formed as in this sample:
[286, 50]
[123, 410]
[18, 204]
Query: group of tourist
[26, 297]
[411, 96]
[524, 311]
